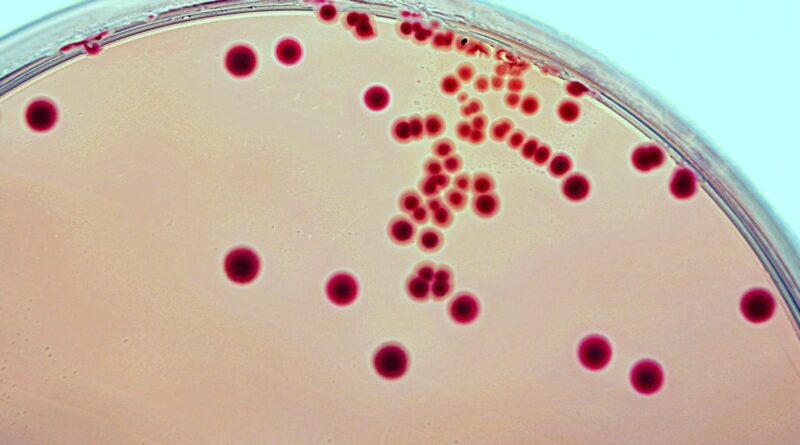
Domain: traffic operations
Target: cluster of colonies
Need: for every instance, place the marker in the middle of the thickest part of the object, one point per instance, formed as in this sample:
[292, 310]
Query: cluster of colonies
[436, 281]
[444, 188]
[649, 157]
[241, 59]
[646, 375]
[474, 125]
[442, 191]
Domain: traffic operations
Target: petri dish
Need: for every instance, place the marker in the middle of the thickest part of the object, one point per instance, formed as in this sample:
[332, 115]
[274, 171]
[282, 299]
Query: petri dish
[371, 222]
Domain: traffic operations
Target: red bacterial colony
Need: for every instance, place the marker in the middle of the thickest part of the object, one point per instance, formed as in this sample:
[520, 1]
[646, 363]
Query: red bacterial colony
[560, 165]
[327, 12]
[647, 157]
[41, 115]
[391, 361]
[91, 45]
[464, 308]
[445, 184]
[568, 111]
[241, 60]
[757, 305]
[575, 187]
[647, 377]
[575, 88]
[429, 280]
[288, 51]
[242, 265]
[377, 97]
[594, 352]
[683, 183]
[360, 24]
[341, 288]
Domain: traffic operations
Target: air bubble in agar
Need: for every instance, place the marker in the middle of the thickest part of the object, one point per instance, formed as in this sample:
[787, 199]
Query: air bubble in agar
[341, 288]
[391, 361]
[757, 305]
[241, 60]
[242, 265]
[647, 377]
[288, 51]
[594, 352]
[41, 115]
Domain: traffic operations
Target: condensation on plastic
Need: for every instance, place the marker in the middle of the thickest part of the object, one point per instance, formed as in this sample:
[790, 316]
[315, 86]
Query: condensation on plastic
[34, 48]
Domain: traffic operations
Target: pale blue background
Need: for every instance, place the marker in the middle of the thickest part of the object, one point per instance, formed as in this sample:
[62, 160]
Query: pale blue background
[704, 58]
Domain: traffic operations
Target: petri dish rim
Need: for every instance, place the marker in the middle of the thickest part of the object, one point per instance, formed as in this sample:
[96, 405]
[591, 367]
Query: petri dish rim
[33, 49]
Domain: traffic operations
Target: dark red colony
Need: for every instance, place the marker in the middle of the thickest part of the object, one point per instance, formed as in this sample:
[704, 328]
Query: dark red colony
[647, 157]
[542, 155]
[560, 165]
[647, 377]
[327, 12]
[288, 51]
[430, 240]
[464, 308]
[757, 305]
[529, 104]
[341, 288]
[418, 288]
[594, 352]
[450, 85]
[377, 98]
[486, 205]
[242, 265]
[360, 24]
[391, 361]
[575, 88]
[41, 115]
[683, 183]
[575, 187]
[401, 230]
[568, 111]
[241, 60]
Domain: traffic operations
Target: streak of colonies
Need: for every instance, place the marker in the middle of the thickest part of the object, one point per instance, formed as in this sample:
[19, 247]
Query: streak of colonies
[445, 188]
